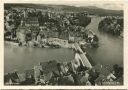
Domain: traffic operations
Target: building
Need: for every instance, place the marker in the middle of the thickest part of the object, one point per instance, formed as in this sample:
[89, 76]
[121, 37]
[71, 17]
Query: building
[21, 77]
[31, 21]
[37, 73]
[71, 38]
[21, 33]
[11, 79]
[29, 74]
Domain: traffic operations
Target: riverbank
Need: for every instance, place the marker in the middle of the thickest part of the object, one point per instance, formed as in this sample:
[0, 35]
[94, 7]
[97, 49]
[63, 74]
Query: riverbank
[31, 44]
[67, 69]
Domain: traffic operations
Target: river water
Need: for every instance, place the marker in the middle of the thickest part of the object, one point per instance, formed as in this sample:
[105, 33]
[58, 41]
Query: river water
[23, 58]
[110, 51]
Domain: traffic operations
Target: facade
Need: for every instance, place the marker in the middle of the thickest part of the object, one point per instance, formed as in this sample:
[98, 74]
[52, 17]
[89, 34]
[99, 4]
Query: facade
[31, 21]
[11, 78]
[21, 33]
[37, 73]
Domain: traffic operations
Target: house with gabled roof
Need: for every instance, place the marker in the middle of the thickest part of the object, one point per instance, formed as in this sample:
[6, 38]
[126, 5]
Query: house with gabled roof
[31, 21]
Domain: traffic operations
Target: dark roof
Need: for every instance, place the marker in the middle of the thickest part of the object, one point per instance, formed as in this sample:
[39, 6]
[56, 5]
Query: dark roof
[13, 76]
[50, 66]
[32, 20]
[29, 72]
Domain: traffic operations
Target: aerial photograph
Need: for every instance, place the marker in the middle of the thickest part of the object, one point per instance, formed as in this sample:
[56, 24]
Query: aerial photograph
[63, 44]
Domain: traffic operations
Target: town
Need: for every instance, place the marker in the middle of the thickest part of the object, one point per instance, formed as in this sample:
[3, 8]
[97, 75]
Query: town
[38, 28]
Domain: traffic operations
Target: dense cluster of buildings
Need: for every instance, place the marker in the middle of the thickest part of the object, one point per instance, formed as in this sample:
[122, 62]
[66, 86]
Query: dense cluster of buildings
[36, 27]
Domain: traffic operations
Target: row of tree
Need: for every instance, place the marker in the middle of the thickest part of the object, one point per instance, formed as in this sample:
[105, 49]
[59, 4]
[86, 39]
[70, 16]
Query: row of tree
[111, 25]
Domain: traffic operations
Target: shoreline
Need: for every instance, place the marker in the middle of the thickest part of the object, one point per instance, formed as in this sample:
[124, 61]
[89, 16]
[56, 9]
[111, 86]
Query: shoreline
[45, 46]
[97, 67]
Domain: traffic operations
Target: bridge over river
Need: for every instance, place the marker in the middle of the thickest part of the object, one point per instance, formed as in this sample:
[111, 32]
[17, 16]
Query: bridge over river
[82, 56]
[110, 50]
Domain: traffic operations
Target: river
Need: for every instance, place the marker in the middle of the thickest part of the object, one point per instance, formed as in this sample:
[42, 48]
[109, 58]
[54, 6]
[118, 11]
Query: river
[110, 51]
[23, 58]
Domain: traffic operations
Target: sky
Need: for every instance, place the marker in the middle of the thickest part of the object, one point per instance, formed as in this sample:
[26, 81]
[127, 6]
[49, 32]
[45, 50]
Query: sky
[113, 5]
[105, 4]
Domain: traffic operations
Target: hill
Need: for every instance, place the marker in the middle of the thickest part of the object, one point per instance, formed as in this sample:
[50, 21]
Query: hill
[91, 9]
